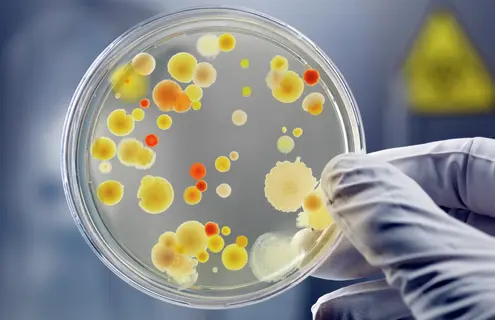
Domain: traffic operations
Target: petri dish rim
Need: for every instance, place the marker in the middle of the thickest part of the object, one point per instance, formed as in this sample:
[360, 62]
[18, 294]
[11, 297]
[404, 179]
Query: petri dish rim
[107, 249]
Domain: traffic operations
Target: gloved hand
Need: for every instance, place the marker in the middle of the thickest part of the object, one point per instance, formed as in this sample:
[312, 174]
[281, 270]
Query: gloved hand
[424, 216]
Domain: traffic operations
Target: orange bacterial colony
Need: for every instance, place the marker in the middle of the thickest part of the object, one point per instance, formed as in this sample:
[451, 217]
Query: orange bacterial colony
[182, 84]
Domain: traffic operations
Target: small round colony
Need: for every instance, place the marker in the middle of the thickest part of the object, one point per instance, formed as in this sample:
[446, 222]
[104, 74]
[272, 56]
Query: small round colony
[239, 117]
[226, 230]
[215, 243]
[279, 63]
[224, 190]
[211, 229]
[197, 171]
[137, 114]
[201, 185]
[244, 63]
[145, 158]
[311, 77]
[155, 194]
[128, 151]
[165, 94]
[194, 92]
[196, 105]
[143, 63]
[226, 42]
[246, 91]
[192, 195]
[313, 103]
[241, 241]
[289, 89]
[105, 167]
[284, 129]
[297, 132]
[181, 66]
[162, 257]
[204, 75]
[103, 148]
[208, 45]
[182, 103]
[191, 235]
[151, 140]
[168, 239]
[222, 164]
[234, 155]
[119, 123]
[110, 192]
[202, 256]
[234, 257]
[164, 122]
[144, 103]
[287, 184]
[285, 144]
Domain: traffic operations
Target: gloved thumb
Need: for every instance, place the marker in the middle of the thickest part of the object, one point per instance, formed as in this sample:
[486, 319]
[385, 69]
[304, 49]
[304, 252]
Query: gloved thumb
[397, 227]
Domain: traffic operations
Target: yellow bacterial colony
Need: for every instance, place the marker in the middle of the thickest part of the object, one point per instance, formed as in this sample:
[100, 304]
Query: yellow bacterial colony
[164, 122]
[287, 184]
[234, 257]
[194, 92]
[222, 164]
[290, 88]
[168, 239]
[297, 132]
[132, 153]
[103, 148]
[225, 230]
[137, 114]
[285, 144]
[119, 123]
[313, 103]
[274, 78]
[191, 235]
[241, 241]
[284, 129]
[239, 117]
[224, 190]
[315, 214]
[204, 75]
[181, 67]
[105, 167]
[279, 64]
[234, 155]
[208, 45]
[215, 243]
[226, 42]
[196, 105]
[143, 63]
[246, 91]
[203, 257]
[192, 195]
[128, 85]
[110, 192]
[155, 194]
[244, 63]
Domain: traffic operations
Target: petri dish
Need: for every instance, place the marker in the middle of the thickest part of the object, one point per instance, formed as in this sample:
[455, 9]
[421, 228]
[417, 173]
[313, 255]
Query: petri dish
[175, 218]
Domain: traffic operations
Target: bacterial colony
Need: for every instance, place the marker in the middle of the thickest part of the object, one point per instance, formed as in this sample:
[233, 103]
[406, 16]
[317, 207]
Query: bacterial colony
[289, 187]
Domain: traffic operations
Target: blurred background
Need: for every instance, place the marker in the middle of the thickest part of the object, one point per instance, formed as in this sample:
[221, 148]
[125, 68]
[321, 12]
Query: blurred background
[418, 75]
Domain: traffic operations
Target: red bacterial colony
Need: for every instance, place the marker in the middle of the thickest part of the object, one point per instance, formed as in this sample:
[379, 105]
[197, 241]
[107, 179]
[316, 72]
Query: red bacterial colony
[151, 140]
[201, 185]
[197, 171]
[211, 229]
[311, 77]
[145, 103]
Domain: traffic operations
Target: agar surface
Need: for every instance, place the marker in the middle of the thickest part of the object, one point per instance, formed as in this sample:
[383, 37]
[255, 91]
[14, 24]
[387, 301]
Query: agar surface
[119, 123]
[110, 192]
[156, 194]
[287, 184]
[103, 148]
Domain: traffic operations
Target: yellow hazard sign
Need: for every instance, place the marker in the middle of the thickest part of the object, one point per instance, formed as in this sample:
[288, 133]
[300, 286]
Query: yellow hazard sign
[443, 71]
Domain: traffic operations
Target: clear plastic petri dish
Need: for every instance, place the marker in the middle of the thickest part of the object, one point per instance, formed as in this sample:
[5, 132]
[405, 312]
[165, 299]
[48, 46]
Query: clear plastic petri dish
[192, 151]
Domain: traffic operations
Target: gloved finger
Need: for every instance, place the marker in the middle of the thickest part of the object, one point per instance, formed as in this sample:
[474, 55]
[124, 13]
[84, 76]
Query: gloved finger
[429, 256]
[457, 173]
[368, 300]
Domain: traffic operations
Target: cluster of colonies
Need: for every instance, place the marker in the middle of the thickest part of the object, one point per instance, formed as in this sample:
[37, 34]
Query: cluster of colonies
[178, 253]
[285, 143]
[288, 186]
